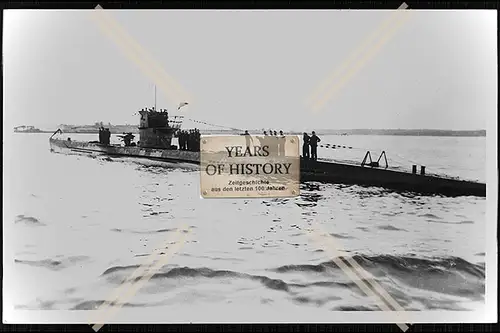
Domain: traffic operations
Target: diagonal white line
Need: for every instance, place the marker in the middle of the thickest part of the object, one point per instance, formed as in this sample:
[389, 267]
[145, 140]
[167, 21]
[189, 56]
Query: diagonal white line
[134, 51]
[138, 54]
[143, 273]
[323, 87]
[139, 271]
[366, 276]
[335, 255]
[375, 285]
[359, 65]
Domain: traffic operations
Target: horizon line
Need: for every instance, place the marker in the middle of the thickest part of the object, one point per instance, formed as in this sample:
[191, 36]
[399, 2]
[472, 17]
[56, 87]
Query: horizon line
[291, 129]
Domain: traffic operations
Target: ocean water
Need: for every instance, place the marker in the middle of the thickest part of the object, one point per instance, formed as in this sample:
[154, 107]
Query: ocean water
[77, 226]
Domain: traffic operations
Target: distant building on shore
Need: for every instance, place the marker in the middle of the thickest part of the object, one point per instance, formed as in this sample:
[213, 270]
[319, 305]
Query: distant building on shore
[26, 129]
[114, 129]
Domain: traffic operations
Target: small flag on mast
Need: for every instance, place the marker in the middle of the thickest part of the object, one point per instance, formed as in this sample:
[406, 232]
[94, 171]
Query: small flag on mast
[182, 104]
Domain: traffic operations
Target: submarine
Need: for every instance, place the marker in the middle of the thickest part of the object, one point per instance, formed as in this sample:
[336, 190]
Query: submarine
[156, 131]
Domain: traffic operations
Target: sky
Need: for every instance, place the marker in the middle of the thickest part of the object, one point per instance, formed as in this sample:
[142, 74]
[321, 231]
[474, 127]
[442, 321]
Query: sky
[252, 69]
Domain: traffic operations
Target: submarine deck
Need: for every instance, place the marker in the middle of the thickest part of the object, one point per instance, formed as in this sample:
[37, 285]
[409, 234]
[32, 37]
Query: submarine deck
[321, 170]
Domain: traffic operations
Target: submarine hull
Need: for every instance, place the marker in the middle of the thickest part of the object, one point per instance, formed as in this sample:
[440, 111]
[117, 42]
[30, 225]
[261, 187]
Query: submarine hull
[320, 171]
[93, 148]
[352, 174]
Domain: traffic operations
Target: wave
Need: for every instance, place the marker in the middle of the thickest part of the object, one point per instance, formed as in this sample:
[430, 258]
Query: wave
[28, 220]
[398, 263]
[354, 308]
[430, 216]
[187, 272]
[449, 276]
[392, 264]
[448, 222]
[54, 265]
[102, 304]
[415, 283]
[147, 232]
[390, 228]
[342, 236]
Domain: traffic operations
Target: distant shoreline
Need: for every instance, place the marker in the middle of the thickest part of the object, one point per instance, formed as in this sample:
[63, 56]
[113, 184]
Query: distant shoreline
[386, 132]
[406, 132]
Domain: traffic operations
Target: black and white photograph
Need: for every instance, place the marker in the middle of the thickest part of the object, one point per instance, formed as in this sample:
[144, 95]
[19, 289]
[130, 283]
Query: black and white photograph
[391, 116]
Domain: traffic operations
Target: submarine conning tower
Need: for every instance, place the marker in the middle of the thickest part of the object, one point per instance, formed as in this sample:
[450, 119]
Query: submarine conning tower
[156, 129]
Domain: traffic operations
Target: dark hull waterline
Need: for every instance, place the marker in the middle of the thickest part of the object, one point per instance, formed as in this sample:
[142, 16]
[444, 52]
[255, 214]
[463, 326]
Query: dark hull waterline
[320, 171]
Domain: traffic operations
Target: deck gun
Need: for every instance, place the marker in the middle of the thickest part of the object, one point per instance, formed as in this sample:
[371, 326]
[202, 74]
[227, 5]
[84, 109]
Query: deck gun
[127, 139]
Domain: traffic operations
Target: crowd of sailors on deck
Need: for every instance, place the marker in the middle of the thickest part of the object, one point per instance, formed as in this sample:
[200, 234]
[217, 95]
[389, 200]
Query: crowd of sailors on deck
[189, 139]
[309, 143]
[104, 135]
[310, 146]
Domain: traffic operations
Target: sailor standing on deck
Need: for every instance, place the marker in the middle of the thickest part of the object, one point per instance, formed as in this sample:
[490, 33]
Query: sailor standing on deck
[107, 136]
[273, 146]
[197, 137]
[248, 139]
[281, 144]
[314, 146]
[305, 146]
[189, 140]
[263, 140]
[180, 138]
[184, 140]
[192, 140]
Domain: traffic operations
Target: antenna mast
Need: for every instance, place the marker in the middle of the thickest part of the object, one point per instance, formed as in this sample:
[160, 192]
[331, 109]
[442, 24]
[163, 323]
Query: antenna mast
[155, 97]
